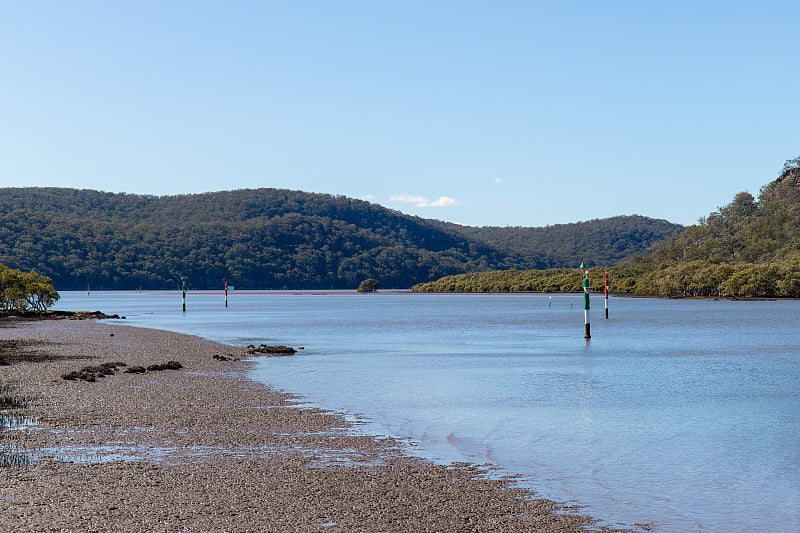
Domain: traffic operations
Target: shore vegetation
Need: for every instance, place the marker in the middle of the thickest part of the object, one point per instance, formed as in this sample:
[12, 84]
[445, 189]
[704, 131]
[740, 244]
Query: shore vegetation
[369, 285]
[25, 291]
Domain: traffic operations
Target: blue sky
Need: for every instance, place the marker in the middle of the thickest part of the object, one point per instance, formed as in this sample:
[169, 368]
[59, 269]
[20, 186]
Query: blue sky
[483, 113]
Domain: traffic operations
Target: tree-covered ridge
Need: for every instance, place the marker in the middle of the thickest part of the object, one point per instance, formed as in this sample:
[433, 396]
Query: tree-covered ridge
[225, 206]
[748, 248]
[596, 242]
[746, 230]
[256, 239]
[263, 238]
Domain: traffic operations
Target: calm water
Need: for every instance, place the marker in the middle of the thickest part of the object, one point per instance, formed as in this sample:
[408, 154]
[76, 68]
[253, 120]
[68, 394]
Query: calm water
[681, 414]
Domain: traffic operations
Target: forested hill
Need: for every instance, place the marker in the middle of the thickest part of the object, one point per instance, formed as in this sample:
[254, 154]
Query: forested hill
[748, 230]
[262, 238]
[604, 241]
[748, 248]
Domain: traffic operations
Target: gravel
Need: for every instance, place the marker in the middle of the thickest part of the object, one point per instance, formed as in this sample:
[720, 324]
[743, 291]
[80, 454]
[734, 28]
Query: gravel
[199, 447]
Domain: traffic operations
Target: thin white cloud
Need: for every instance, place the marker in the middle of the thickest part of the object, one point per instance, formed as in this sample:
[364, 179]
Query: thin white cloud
[498, 180]
[408, 199]
[444, 201]
[368, 198]
[422, 201]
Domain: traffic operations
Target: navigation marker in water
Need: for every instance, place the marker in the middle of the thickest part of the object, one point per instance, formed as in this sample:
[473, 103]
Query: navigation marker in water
[183, 290]
[226, 291]
[606, 299]
[586, 289]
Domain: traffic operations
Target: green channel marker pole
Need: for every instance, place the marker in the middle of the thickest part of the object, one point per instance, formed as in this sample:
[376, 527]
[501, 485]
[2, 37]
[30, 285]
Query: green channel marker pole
[586, 289]
[183, 290]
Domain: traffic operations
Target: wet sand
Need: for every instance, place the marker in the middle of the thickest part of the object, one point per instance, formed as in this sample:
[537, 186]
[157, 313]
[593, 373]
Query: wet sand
[204, 448]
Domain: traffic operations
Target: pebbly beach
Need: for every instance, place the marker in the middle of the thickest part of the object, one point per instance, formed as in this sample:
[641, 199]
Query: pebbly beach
[198, 446]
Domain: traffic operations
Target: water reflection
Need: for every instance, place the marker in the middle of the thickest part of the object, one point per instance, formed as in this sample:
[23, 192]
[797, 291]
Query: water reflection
[15, 457]
[12, 454]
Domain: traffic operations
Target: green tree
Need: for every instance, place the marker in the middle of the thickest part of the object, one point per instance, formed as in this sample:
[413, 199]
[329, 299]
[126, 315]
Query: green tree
[369, 285]
[39, 291]
[20, 291]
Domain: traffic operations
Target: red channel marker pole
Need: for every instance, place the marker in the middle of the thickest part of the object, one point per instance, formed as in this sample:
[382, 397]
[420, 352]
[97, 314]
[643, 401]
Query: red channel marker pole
[606, 301]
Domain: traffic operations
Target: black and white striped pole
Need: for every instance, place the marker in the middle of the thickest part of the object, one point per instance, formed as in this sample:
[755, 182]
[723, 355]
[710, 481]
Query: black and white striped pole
[183, 293]
[586, 288]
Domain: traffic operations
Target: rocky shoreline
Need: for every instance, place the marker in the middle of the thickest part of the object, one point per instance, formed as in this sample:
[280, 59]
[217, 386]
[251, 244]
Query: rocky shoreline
[201, 447]
[55, 315]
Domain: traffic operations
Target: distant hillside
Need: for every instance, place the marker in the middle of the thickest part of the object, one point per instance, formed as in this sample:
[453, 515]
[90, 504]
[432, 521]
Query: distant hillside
[746, 230]
[595, 242]
[747, 249]
[262, 238]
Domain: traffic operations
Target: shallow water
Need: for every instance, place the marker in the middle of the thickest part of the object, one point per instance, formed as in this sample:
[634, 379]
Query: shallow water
[684, 415]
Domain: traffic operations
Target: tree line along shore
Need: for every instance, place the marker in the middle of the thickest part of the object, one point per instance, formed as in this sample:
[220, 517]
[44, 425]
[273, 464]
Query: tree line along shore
[694, 279]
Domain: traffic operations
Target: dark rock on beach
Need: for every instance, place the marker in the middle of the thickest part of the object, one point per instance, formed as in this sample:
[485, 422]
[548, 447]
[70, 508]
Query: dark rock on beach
[169, 365]
[91, 373]
[229, 357]
[264, 349]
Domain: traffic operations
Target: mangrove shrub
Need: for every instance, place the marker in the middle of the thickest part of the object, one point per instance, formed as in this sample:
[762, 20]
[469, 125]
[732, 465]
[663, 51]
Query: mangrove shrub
[25, 291]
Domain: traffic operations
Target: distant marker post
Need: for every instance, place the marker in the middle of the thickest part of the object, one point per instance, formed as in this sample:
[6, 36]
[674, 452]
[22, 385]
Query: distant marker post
[586, 288]
[606, 299]
[183, 291]
[226, 291]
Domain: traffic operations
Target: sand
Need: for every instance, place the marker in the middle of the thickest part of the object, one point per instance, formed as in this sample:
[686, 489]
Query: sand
[204, 448]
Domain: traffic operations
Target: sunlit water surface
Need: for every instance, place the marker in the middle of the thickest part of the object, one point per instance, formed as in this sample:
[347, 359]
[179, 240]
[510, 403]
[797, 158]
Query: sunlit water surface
[684, 415]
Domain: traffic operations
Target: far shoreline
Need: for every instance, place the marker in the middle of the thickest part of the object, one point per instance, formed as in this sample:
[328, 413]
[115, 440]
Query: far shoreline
[354, 292]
